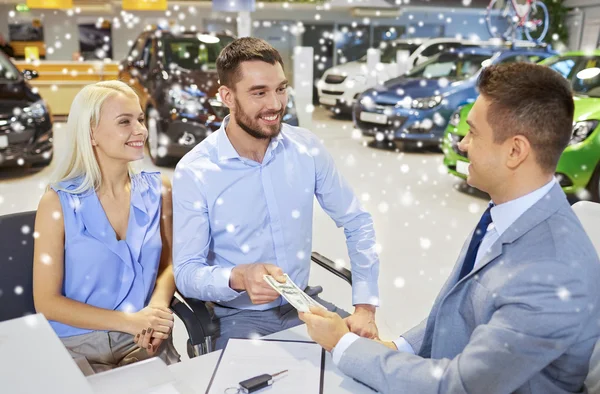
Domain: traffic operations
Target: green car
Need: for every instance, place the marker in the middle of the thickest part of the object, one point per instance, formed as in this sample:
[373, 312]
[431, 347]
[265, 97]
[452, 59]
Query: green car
[578, 169]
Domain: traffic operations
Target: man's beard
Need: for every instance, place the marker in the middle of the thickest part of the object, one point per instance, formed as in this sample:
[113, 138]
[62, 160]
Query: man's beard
[252, 127]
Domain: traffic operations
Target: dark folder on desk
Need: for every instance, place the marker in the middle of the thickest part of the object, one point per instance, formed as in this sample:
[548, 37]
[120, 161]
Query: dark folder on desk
[245, 358]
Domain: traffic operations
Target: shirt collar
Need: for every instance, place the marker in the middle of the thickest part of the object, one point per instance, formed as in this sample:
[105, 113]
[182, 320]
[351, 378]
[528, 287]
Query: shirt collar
[504, 215]
[225, 149]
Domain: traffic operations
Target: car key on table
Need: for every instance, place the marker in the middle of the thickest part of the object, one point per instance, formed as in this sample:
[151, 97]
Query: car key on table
[258, 382]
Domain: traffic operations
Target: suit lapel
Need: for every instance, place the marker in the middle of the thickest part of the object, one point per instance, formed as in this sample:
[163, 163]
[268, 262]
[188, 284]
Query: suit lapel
[535, 215]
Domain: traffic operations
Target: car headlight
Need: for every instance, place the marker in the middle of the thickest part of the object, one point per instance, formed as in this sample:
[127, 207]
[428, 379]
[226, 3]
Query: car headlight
[455, 118]
[35, 111]
[582, 130]
[426, 102]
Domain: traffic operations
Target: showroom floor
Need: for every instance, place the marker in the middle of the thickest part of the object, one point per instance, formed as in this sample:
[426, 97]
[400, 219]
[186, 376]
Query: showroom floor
[421, 219]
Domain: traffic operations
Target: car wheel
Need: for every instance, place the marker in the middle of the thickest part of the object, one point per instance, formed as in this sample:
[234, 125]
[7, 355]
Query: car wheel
[594, 185]
[157, 155]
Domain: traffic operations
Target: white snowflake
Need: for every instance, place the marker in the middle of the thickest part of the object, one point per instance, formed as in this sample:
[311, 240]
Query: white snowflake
[474, 208]
[437, 372]
[230, 228]
[425, 243]
[399, 282]
[245, 248]
[18, 290]
[25, 230]
[563, 293]
[383, 207]
[295, 214]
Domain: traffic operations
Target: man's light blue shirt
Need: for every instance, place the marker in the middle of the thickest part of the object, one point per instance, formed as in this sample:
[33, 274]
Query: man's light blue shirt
[230, 210]
[503, 216]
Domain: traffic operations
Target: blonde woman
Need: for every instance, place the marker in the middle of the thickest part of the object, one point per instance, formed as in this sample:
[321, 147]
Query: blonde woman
[102, 269]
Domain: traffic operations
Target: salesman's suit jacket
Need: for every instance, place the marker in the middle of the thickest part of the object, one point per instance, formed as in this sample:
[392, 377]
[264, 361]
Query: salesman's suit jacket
[525, 320]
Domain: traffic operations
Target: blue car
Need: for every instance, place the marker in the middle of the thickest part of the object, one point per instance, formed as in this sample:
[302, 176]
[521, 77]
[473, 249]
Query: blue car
[417, 106]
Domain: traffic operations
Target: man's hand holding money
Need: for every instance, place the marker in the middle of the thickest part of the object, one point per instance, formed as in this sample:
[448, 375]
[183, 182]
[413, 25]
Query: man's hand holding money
[250, 278]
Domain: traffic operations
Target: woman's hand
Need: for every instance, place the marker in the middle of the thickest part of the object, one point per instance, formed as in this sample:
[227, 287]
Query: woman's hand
[158, 320]
[150, 340]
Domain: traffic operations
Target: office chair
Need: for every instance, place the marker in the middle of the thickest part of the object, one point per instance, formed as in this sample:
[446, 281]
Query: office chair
[16, 283]
[589, 216]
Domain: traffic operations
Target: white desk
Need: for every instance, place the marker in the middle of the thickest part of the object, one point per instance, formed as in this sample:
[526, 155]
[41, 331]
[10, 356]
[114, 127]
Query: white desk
[195, 374]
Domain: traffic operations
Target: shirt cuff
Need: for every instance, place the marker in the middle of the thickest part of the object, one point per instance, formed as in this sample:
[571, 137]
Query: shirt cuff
[343, 344]
[219, 290]
[403, 346]
[365, 293]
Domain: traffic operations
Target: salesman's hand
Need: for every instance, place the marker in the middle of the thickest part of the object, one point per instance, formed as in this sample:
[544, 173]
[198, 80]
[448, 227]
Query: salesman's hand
[324, 327]
[249, 278]
[362, 322]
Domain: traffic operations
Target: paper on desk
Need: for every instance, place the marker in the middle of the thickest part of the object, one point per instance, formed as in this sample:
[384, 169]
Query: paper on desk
[245, 358]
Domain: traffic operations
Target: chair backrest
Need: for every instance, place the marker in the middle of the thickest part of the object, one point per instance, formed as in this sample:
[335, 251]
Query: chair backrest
[16, 265]
[589, 216]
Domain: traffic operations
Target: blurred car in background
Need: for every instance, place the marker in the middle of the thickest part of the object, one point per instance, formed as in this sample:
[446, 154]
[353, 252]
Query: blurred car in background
[341, 85]
[578, 170]
[25, 120]
[176, 78]
[417, 106]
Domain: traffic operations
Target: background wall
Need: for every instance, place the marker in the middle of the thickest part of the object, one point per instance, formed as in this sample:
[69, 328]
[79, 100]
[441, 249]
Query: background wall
[419, 22]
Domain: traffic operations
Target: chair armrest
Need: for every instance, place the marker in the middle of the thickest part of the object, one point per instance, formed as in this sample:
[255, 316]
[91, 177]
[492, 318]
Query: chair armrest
[196, 318]
[330, 266]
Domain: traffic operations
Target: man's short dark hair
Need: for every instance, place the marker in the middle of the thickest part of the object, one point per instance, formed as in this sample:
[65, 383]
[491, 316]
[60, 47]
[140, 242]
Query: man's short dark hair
[533, 101]
[243, 50]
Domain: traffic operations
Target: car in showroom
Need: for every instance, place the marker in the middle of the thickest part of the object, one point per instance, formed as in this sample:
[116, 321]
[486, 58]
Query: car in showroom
[416, 107]
[339, 86]
[25, 120]
[578, 170]
[176, 78]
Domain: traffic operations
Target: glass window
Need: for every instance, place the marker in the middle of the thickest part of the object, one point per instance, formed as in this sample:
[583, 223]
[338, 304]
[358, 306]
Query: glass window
[136, 49]
[352, 43]
[8, 72]
[389, 49]
[521, 59]
[194, 52]
[449, 65]
[562, 65]
[146, 54]
[587, 79]
[437, 48]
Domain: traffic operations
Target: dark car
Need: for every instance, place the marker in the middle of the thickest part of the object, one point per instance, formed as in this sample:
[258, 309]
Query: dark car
[25, 121]
[176, 77]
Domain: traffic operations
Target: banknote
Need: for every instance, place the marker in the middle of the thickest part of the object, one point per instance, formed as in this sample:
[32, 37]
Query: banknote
[292, 293]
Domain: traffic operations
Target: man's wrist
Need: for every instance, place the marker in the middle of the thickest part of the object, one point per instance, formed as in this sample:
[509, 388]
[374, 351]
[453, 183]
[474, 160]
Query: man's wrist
[365, 308]
[236, 279]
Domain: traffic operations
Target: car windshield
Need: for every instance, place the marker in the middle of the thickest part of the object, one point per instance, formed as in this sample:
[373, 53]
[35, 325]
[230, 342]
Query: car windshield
[587, 79]
[454, 66]
[194, 52]
[389, 49]
[388, 54]
[8, 72]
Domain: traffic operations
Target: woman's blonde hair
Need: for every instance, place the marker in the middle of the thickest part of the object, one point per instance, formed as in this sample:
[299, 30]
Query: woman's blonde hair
[84, 115]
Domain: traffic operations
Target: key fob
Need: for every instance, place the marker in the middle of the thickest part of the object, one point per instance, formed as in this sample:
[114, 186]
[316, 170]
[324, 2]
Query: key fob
[256, 383]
